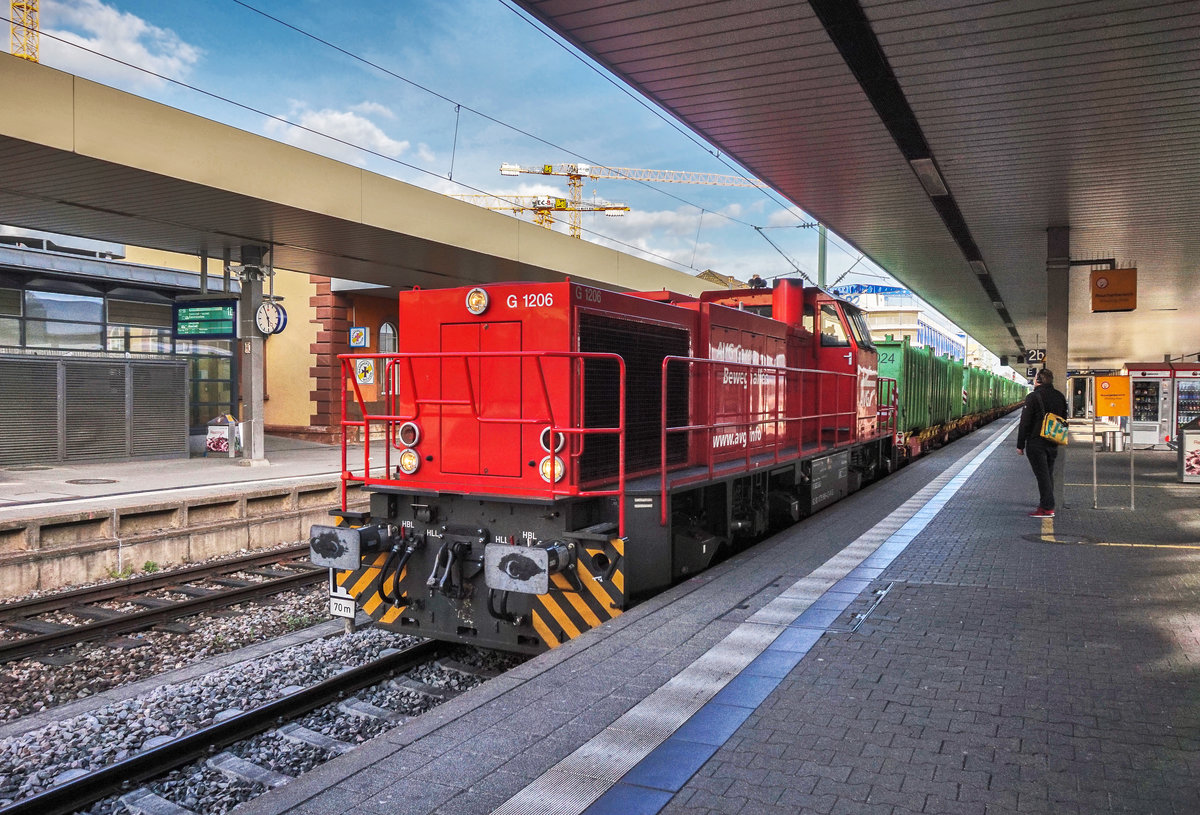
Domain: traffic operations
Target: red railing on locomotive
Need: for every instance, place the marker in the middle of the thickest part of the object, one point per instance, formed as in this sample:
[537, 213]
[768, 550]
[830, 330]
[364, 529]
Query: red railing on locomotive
[748, 397]
[470, 403]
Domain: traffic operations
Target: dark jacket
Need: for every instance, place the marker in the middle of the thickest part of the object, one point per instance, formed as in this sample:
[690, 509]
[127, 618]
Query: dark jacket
[1043, 398]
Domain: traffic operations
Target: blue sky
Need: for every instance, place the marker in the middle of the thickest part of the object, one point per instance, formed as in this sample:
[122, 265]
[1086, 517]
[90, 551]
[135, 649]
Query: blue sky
[484, 86]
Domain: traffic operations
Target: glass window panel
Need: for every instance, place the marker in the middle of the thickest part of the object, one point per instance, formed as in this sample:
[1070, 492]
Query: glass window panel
[211, 368]
[51, 334]
[10, 302]
[56, 306]
[218, 348]
[126, 312]
[10, 331]
[387, 339]
[832, 332]
[139, 340]
[809, 319]
[214, 392]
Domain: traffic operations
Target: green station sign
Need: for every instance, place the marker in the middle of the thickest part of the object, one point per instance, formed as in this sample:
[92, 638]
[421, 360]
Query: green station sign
[208, 319]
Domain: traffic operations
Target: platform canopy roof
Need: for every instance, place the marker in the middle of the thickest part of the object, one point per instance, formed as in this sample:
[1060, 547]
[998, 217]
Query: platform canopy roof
[943, 138]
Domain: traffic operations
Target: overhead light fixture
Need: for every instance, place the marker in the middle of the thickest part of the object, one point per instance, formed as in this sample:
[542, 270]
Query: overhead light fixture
[979, 267]
[930, 178]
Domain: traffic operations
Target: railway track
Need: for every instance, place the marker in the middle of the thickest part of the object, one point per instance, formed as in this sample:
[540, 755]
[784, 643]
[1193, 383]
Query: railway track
[204, 588]
[120, 777]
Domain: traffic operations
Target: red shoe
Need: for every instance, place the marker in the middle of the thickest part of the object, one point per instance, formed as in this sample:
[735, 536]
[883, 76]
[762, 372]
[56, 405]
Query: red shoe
[1042, 513]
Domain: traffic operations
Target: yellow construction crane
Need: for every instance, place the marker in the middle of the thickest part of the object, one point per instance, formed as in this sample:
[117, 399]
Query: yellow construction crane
[24, 28]
[544, 207]
[576, 173]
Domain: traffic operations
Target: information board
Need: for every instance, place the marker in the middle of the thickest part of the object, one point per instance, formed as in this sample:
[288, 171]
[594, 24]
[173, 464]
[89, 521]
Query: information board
[205, 319]
[1114, 290]
[1112, 396]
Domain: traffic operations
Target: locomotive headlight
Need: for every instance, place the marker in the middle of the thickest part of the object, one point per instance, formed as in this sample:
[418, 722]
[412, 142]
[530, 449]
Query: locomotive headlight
[410, 460]
[409, 434]
[477, 301]
[552, 469]
[559, 441]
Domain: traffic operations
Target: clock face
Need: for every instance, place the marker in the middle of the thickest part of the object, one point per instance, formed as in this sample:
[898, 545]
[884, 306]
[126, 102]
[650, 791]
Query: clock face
[270, 318]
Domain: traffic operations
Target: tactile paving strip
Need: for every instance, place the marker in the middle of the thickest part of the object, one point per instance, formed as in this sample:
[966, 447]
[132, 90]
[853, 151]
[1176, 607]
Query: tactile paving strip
[651, 751]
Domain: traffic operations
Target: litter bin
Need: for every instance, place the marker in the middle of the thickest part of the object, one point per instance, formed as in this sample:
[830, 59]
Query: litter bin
[1189, 451]
[1111, 441]
[223, 436]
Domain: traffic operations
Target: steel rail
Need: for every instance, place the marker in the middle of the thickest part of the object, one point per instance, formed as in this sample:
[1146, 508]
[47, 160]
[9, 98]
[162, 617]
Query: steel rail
[40, 644]
[121, 776]
[135, 585]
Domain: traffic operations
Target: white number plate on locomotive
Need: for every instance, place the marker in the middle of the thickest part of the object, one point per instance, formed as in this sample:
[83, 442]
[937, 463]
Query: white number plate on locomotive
[341, 605]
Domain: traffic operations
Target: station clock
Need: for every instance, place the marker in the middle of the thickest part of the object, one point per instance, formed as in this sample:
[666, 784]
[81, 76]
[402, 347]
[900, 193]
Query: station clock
[270, 318]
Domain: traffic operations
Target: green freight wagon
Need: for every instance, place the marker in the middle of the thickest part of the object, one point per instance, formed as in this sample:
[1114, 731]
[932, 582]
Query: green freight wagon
[909, 365]
[945, 392]
[958, 402]
[978, 384]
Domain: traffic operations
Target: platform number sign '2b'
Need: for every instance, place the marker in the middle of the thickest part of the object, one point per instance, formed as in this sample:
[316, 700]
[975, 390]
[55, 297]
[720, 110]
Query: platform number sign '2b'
[1035, 356]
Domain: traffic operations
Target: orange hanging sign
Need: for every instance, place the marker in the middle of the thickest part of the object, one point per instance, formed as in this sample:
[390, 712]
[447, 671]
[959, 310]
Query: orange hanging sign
[1114, 290]
[1112, 396]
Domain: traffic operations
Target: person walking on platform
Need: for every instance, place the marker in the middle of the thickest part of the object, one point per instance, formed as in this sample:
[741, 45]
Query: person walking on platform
[1041, 452]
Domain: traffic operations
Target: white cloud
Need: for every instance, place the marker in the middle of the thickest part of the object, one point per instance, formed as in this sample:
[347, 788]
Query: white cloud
[368, 108]
[339, 134]
[425, 153]
[92, 25]
[793, 216]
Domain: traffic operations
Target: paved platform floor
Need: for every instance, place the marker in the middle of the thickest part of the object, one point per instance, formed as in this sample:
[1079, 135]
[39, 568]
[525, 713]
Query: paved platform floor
[921, 647]
[34, 490]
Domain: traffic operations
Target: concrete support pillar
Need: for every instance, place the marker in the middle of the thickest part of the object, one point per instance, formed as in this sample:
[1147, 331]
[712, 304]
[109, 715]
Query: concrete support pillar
[1058, 300]
[252, 358]
[1058, 309]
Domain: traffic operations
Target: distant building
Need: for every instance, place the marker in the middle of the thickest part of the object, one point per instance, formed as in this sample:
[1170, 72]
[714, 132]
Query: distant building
[723, 280]
[894, 311]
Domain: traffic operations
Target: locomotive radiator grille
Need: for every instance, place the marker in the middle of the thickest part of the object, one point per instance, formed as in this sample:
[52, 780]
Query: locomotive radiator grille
[643, 347]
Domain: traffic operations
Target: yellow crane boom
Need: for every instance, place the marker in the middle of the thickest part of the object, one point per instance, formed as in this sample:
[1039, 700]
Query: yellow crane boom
[576, 173]
[633, 174]
[543, 207]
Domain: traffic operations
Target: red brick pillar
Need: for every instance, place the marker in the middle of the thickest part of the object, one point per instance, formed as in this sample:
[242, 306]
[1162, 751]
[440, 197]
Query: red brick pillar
[333, 337]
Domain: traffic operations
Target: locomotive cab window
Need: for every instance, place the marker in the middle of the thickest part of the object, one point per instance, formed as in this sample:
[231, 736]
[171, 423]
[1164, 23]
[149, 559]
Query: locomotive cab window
[858, 326]
[810, 318]
[833, 333]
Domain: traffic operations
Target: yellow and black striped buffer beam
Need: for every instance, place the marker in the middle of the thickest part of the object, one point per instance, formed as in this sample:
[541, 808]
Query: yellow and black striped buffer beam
[365, 585]
[564, 612]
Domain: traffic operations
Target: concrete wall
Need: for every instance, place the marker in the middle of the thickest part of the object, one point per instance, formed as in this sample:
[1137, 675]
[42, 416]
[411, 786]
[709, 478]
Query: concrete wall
[289, 356]
[80, 547]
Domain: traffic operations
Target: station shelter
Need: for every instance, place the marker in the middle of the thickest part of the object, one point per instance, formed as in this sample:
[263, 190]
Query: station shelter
[90, 368]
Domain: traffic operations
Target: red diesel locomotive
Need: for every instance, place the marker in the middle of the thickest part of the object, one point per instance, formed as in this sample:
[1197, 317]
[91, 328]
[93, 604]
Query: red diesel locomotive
[540, 456]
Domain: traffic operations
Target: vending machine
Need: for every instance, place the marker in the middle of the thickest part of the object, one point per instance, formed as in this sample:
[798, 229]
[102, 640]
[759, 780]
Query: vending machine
[1187, 395]
[1153, 403]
